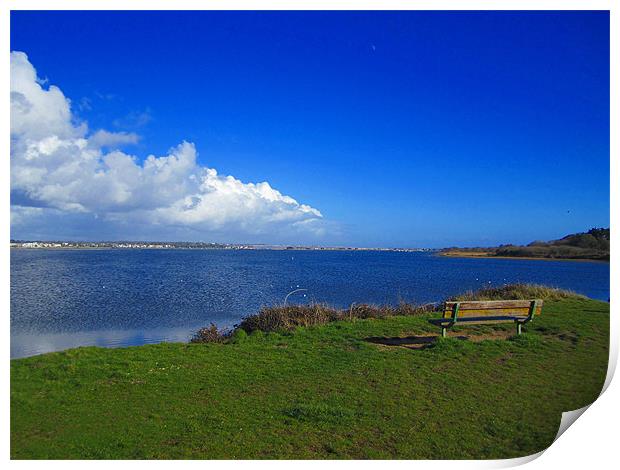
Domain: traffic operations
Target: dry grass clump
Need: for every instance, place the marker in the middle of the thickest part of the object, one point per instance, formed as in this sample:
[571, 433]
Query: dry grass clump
[384, 311]
[517, 292]
[210, 334]
[289, 317]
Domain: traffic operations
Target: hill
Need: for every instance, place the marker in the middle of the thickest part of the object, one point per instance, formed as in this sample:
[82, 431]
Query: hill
[593, 245]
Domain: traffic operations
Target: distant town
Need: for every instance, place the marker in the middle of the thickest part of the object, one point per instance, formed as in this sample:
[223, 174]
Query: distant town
[187, 245]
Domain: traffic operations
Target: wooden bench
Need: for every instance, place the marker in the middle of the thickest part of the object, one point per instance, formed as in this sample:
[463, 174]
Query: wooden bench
[488, 312]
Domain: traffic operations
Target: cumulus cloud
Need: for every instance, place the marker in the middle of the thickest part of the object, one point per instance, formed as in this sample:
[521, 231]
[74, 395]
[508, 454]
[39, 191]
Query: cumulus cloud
[103, 138]
[59, 167]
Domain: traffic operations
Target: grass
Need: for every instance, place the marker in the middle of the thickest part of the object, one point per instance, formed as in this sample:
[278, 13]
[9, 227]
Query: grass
[316, 392]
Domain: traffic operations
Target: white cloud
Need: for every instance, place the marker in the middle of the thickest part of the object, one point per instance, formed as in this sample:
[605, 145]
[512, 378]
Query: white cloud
[103, 138]
[58, 166]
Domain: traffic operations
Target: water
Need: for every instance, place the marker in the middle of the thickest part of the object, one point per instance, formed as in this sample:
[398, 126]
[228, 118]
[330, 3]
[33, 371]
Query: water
[69, 298]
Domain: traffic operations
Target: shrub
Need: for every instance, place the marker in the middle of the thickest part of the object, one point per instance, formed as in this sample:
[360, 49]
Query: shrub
[210, 334]
[518, 292]
[289, 317]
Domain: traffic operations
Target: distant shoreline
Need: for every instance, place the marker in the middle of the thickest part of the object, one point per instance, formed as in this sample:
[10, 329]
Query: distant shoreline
[446, 254]
[222, 248]
[487, 255]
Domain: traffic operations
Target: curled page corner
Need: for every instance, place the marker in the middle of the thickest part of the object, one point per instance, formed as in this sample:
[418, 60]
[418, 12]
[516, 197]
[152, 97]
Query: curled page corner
[518, 461]
[568, 418]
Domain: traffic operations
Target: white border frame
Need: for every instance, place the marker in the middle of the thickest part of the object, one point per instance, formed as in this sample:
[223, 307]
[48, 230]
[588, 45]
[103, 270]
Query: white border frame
[591, 443]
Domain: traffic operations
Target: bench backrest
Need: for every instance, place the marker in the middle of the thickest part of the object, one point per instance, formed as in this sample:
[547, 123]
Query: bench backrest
[481, 308]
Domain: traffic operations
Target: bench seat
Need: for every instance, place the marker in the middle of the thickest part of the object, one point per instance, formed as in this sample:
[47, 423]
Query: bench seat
[480, 320]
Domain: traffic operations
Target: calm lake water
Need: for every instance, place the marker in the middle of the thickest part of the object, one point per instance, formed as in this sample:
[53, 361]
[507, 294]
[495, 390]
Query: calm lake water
[68, 298]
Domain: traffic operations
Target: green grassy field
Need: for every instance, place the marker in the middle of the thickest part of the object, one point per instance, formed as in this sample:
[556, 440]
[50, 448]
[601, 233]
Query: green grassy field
[317, 392]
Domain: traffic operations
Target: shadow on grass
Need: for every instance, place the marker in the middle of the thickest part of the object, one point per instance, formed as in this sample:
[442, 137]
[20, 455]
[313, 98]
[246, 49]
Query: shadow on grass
[427, 341]
[411, 342]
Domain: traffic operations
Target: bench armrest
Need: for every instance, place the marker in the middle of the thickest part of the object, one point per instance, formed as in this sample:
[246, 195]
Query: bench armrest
[455, 312]
[533, 306]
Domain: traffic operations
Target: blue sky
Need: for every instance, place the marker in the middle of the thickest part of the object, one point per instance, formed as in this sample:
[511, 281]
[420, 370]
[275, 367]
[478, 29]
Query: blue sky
[399, 128]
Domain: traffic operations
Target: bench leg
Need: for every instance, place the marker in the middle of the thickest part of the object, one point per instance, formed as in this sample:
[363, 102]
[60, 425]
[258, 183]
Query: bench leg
[443, 331]
[518, 328]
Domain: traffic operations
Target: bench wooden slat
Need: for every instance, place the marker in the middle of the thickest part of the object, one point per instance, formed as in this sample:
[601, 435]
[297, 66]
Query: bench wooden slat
[486, 304]
[472, 320]
[522, 312]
